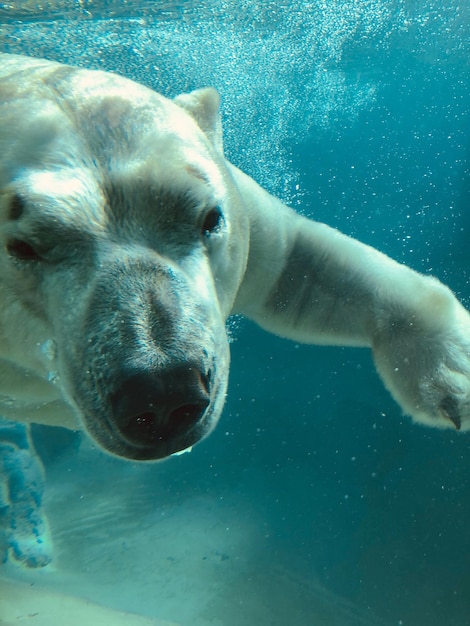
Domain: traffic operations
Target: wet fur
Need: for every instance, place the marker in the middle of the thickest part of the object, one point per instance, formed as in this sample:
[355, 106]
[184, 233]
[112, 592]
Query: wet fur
[109, 184]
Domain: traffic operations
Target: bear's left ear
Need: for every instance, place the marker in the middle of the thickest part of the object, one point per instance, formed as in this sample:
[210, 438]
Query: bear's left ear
[204, 106]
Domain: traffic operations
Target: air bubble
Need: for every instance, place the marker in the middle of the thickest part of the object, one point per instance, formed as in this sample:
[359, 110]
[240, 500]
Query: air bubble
[53, 377]
[49, 349]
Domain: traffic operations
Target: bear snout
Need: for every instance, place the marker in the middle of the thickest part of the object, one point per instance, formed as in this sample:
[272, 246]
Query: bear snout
[155, 409]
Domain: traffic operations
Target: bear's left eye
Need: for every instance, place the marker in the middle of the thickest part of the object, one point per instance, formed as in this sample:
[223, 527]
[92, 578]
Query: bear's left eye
[213, 221]
[22, 251]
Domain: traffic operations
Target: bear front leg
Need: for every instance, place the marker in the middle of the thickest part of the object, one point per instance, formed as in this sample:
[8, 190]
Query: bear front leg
[309, 282]
[24, 532]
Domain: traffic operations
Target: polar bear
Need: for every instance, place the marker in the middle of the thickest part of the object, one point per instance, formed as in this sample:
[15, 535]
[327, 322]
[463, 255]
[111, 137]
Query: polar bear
[127, 240]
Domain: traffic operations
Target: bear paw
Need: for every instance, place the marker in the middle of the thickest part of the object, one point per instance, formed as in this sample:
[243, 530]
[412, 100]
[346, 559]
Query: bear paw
[31, 550]
[425, 363]
[444, 392]
[24, 532]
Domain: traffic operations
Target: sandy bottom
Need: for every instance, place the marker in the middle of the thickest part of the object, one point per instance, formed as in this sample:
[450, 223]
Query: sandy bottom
[129, 551]
[21, 603]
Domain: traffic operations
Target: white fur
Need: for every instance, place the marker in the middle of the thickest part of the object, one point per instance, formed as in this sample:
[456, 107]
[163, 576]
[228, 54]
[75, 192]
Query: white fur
[115, 183]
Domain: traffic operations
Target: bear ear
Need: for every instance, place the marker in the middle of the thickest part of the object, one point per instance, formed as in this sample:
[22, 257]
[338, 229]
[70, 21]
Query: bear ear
[204, 106]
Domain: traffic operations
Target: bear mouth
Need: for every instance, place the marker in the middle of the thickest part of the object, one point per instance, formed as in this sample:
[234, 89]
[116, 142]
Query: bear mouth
[143, 407]
[149, 439]
[159, 444]
[155, 409]
[131, 426]
[167, 444]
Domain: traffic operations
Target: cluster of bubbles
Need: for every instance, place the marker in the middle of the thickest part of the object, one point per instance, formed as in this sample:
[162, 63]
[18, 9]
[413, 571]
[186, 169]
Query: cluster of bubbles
[283, 68]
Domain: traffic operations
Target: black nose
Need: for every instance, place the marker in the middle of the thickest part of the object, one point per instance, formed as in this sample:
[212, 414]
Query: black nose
[151, 408]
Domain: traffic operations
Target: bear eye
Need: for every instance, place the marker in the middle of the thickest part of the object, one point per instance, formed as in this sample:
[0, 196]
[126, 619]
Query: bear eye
[213, 221]
[22, 251]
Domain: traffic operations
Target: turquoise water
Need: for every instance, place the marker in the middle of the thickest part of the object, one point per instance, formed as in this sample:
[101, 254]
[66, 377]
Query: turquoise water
[357, 114]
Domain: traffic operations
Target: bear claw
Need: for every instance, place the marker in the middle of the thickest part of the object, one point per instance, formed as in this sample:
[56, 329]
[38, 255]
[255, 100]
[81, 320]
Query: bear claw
[449, 409]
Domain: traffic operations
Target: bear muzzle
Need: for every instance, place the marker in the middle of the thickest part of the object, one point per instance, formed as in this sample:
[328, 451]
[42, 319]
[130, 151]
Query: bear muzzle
[152, 411]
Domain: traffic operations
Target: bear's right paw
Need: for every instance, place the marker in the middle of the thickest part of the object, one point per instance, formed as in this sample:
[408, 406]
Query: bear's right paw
[29, 537]
[424, 361]
[31, 551]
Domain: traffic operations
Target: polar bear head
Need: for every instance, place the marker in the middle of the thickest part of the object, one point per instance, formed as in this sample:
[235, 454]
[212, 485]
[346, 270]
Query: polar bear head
[123, 246]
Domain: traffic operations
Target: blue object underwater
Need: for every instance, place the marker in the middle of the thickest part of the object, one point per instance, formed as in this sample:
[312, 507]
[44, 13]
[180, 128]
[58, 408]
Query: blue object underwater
[24, 533]
[358, 115]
